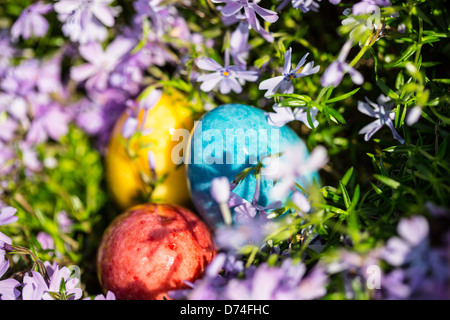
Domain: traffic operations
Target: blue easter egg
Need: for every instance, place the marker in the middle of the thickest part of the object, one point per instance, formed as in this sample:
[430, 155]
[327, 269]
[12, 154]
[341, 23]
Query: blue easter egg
[225, 141]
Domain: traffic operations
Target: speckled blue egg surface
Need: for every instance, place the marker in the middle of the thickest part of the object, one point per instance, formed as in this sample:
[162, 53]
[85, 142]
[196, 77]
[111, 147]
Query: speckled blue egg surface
[225, 141]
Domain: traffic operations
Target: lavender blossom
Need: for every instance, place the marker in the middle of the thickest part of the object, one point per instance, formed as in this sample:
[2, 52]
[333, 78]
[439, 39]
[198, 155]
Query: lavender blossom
[413, 233]
[45, 240]
[284, 115]
[84, 20]
[287, 282]
[239, 48]
[34, 286]
[228, 78]
[64, 222]
[334, 74]
[57, 275]
[155, 10]
[101, 63]
[109, 296]
[89, 116]
[220, 189]
[382, 112]
[50, 121]
[366, 6]
[292, 165]
[7, 215]
[8, 287]
[31, 22]
[7, 51]
[283, 83]
[305, 5]
[413, 115]
[234, 8]
[246, 211]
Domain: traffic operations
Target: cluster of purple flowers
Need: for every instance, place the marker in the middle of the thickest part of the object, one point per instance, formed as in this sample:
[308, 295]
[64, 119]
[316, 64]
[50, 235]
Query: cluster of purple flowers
[37, 99]
[55, 282]
[289, 281]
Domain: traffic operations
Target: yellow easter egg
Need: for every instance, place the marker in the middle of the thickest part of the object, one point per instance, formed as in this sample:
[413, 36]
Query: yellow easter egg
[127, 168]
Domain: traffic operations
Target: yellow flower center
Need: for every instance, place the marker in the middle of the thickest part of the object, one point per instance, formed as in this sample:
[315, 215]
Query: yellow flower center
[226, 73]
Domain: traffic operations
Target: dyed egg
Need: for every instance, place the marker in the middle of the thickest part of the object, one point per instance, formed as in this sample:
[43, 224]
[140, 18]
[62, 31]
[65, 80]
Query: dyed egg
[123, 173]
[224, 142]
[150, 249]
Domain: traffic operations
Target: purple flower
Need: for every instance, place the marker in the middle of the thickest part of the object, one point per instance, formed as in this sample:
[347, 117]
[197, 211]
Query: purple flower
[220, 189]
[101, 62]
[8, 287]
[31, 22]
[34, 286]
[292, 165]
[233, 8]
[50, 121]
[154, 10]
[49, 77]
[302, 203]
[413, 115]
[246, 211]
[147, 101]
[334, 74]
[305, 5]
[109, 296]
[90, 116]
[283, 115]
[7, 215]
[7, 51]
[30, 157]
[84, 19]
[57, 275]
[64, 222]
[287, 282]
[382, 112]
[367, 6]
[45, 240]
[228, 78]
[239, 48]
[413, 233]
[283, 83]
[129, 127]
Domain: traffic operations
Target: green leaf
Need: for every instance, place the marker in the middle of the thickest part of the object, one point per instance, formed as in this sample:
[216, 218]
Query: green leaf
[345, 195]
[261, 61]
[347, 176]
[292, 102]
[386, 90]
[342, 97]
[406, 54]
[387, 181]
[335, 114]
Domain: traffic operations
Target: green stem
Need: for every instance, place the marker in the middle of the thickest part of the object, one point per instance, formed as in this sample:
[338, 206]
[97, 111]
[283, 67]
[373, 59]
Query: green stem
[251, 258]
[419, 43]
[359, 55]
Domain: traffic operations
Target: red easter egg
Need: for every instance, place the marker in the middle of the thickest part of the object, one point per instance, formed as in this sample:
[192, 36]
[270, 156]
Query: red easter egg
[150, 249]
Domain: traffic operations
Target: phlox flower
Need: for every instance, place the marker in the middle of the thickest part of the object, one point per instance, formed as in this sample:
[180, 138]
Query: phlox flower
[8, 287]
[283, 83]
[31, 22]
[382, 111]
[334, 74]
[227, 78]
[284, 115]
[250, 9]
[84, 20]
[291, 166]
[101, 63]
